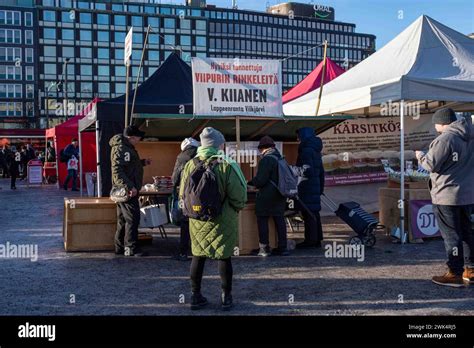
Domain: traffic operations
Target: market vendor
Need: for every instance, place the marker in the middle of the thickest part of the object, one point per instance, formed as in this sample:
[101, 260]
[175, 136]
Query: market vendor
[451, 164]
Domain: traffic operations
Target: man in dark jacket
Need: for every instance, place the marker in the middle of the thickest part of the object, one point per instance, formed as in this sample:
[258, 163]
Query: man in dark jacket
[188, 151]
[311, 186]
[13, 160]
[127, 172]
[72, 153]
[269, 203]
[3, 161]
[450, 161]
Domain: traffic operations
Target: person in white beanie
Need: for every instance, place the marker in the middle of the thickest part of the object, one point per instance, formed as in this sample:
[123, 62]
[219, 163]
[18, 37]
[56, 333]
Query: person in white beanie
[188, 151]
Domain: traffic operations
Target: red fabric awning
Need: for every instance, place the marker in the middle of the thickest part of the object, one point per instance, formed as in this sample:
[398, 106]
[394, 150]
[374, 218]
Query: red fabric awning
[313, 80]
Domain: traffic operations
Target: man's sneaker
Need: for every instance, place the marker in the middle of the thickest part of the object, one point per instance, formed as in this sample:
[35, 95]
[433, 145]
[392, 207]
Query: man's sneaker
[264, 251]
[308, 245]
[198, 301]
[449, 279]
[135, 253]
[468, 275]
[227, 302]
[280, 252]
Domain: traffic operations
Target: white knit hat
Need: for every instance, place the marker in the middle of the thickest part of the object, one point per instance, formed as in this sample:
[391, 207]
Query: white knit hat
[189, 142]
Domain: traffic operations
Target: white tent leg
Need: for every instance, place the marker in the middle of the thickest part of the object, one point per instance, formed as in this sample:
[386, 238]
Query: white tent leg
[80, 162]
[99, 184]
[402, 172]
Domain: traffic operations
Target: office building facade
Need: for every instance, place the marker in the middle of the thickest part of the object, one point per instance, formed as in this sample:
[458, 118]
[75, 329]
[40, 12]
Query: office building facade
[79, 45]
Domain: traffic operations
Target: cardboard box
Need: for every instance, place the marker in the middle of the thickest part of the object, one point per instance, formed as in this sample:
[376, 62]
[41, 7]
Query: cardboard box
[89, 224]
[248, 231]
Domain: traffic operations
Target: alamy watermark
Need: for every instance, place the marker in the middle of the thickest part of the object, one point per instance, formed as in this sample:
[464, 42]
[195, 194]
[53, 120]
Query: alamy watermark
[19, 251]
[345, 251]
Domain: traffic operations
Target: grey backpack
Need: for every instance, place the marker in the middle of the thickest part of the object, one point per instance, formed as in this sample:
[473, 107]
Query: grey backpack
[287, 181]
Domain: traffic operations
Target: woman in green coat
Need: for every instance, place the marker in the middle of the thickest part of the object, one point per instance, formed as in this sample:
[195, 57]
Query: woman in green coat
[216, 238]
[270, 202]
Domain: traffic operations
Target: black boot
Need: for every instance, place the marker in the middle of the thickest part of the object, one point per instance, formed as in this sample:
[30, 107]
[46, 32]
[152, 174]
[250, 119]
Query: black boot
[198, 301]
[227, 302]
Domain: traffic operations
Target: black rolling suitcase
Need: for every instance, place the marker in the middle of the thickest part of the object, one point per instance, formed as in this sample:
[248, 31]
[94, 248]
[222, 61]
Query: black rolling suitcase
[363, 223]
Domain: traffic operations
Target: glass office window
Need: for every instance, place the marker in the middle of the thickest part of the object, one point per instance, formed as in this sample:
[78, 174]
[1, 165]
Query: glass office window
[154, 55]
[50, 69]
[120, 20]
[49, 33]
[100, 6]
[200, 41]
[68, 17]
[104, 88]
[86, 52]
[103, 36]
[103, 53]
[154, 22]
[153, 39]
[120, 88]
[200, 25]
[29, 72]
[49, 16]
[29, 37]
[30, 91]
[68, 52]
[86, 18]
[29, 55]
[120, 71]
[83, 4]
[137, 38]
[165, 10]
[137, 21]
[185, 24]
[86, 70]
[86, 87]
[170, 40]
[117, 7]
[185, 40]
[119, 53]
[48, 2]
[149, 9]
[67, 34]
[28, 19]
[170, 23]
[119, 36]
[103, 19]
[104, 70]
[133, 8]
[85, 35]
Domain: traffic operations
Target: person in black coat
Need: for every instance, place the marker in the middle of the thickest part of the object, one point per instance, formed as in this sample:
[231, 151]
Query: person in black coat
[13, 160]
[3, 162]
[269, 202]
[188, 151]
[311, 186]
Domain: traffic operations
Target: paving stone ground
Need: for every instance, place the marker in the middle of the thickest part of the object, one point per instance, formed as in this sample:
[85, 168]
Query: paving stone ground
[393, 279]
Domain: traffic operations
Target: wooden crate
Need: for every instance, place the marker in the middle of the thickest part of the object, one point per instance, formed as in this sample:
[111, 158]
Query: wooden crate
[248, 231]
[89, 224]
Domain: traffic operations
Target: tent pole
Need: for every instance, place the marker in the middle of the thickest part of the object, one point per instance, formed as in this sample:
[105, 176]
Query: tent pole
[98, 177]
[237, 134]
[139, 73]
[127, 92]
[57, 162]
[402, 171]
[80, 161]
[322, 76]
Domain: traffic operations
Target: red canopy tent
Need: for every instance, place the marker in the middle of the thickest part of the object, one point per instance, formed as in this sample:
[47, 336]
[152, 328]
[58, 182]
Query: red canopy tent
[313, 80]
[62, 135]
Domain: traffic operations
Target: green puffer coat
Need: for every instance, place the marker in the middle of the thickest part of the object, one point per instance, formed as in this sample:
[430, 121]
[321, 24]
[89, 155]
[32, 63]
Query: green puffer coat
[216, 239]
[269, 200]
[127, 167]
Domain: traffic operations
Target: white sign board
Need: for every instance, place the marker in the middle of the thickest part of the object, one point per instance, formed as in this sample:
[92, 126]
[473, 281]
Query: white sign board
[35, 175]
[236, 87]
[128, 47]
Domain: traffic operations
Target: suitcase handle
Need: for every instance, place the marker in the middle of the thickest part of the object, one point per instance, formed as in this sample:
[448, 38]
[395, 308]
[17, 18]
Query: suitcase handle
[329, 203]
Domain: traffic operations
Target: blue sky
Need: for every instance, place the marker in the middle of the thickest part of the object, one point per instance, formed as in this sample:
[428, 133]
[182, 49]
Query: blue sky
[380, 17]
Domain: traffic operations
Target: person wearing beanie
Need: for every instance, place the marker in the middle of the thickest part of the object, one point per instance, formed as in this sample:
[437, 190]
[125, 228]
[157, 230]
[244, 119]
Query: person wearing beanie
[188, 151]
[450, 161]
[217, 237]
[269, 202]
[71, 152]
[127, 173]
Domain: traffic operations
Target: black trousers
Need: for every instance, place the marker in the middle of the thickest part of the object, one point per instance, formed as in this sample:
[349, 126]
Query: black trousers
[5, 173]
[184, 240]
[13, 176]
[225, 272]
[263, 232]
[313, 229]
[455, 226]
[128, 220]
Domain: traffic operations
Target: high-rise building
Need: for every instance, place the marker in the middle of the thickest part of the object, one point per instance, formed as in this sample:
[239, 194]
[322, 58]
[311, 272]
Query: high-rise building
[79, 45]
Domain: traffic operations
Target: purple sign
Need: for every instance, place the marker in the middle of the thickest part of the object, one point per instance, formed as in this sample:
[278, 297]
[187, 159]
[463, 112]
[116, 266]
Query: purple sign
[423, 221]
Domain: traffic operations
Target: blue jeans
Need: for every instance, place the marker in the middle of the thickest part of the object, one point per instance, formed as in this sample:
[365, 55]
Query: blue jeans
[71, 174]
[455, 226]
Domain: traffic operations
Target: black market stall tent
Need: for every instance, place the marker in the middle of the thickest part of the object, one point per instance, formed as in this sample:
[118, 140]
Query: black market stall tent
[164, 110]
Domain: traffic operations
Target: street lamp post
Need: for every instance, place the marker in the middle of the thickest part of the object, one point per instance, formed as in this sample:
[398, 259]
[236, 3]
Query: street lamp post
[66, 110]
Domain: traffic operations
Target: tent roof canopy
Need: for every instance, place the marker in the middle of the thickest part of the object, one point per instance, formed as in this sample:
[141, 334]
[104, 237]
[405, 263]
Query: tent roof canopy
[177, 127]
[428, 62]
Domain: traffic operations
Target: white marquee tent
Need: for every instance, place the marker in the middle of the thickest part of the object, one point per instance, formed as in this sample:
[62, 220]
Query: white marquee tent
[428, 63]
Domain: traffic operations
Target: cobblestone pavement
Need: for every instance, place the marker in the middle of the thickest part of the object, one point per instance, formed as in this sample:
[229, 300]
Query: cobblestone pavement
[393, 279]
